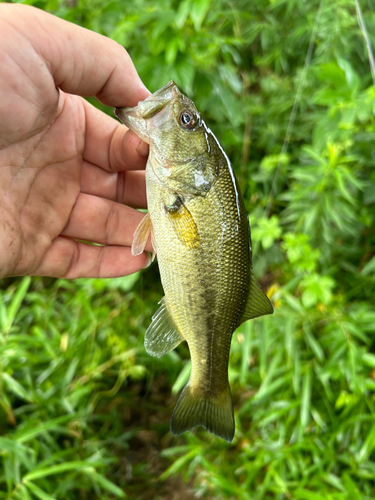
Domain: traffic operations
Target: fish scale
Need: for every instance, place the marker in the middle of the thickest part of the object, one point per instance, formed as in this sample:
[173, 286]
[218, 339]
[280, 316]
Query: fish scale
[197, 217]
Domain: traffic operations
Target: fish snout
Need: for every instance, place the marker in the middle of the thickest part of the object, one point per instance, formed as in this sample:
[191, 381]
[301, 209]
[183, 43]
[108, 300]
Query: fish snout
[150, 113]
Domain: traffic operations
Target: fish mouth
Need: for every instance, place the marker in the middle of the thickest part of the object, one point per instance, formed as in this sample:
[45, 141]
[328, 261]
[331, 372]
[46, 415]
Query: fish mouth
[151, 112]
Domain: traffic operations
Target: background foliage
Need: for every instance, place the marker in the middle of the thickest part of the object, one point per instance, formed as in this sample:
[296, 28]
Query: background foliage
[84, 412]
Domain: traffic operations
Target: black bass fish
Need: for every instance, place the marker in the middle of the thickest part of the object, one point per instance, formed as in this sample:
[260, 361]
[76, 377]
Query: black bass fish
[201, 235]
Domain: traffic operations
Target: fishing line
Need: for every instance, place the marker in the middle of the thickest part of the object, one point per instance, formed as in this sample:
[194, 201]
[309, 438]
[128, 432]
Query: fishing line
[293, 114]
[367, 39]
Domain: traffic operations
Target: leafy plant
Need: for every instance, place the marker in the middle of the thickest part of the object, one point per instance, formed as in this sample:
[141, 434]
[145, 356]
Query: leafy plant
[85, 412]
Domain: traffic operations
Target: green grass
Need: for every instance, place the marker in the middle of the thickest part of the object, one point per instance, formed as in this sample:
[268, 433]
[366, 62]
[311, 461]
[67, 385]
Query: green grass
[84, 411]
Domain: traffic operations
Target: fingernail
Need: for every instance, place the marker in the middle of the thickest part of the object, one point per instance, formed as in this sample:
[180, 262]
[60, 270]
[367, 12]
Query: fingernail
[142, 149]
[149, 261]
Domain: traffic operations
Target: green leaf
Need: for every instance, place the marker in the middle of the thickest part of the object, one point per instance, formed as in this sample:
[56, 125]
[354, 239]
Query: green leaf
[182, 378]
[182, 13]
[16, 301]
[55, 469]
[25, 435]
[8, 445]
[103, 482]
[172, 50]
[342, 187]
[38, 492]
[14, 386]
[186, 71]
[3, 315]
[273, 388]
[352, 79]
[309, 298]
[306, 398]
[23, 494]
[246, 351]
[368, 446]
[198, 12]
[176, 450]
[369, 359]
[302, 494]
[345, 399]
[179, 464]
[369, 267]
[266, 231]
[314, 344]
[333, 480]
[351, 487]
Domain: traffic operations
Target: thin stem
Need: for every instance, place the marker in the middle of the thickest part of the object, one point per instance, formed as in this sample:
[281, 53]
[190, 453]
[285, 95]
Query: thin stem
[367, 39]
[295, 108]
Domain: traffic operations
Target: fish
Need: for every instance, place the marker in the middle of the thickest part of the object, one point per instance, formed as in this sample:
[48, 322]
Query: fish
[200, 232]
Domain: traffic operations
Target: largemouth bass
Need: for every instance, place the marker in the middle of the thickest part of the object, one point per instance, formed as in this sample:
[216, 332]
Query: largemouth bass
[201, 235]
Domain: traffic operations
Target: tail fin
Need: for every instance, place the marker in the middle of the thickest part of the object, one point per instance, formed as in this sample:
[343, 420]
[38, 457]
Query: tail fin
[214, 414]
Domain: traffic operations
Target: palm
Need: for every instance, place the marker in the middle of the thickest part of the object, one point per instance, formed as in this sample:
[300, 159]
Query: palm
[45, 183]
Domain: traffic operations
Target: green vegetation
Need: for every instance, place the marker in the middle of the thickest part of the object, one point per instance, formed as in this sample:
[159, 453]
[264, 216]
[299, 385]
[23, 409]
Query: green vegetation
[84, 412]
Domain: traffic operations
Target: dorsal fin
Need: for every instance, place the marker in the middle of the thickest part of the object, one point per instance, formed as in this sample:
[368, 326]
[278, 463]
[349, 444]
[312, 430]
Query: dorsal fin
[162, 335]
[258, 304]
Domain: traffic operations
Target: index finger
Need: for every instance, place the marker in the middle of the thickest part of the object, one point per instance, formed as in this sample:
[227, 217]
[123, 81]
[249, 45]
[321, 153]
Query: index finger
[81, 62]
[110, 145]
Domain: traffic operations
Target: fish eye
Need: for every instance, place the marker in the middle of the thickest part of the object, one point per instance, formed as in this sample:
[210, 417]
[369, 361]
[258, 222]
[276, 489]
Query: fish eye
[187, 119]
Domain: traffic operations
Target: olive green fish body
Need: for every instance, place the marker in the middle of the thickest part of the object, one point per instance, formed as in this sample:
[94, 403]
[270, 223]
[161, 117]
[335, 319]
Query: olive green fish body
[205, 287]
[201, 235]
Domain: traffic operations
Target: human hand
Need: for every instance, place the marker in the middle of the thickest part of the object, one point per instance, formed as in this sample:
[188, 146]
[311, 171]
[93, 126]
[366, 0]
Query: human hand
[67, 170]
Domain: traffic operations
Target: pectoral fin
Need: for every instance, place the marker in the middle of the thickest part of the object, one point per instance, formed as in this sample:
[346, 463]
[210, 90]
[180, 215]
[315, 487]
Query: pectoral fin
[258, 304]
[141, 235]
[162, 335]
[183, 223]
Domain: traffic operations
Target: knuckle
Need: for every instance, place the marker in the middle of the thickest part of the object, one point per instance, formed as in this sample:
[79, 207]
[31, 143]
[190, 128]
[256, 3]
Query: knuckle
[111, 225]
[74, 262]
[120, 191]
[100, 260]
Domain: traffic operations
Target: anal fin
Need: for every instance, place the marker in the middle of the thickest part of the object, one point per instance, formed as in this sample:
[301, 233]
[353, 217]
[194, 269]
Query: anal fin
[162, 335]
[258, 304]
